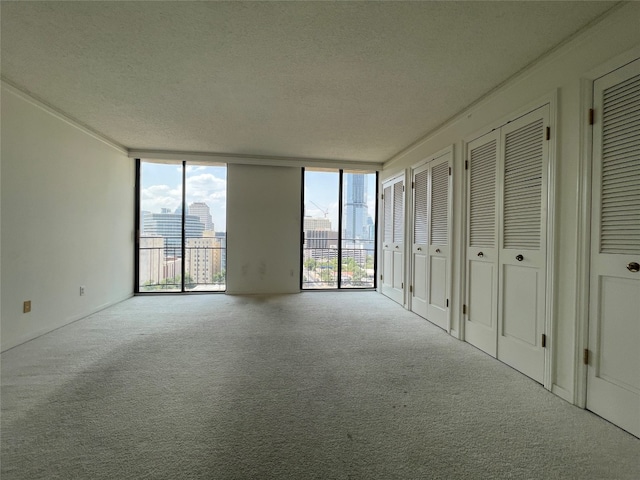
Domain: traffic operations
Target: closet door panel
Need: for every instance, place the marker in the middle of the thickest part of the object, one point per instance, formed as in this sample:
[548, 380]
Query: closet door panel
[386, 281]
[481, 328]
[419, 248]
[523, 174]
[439, 221]
[613, 382]
[392, 282]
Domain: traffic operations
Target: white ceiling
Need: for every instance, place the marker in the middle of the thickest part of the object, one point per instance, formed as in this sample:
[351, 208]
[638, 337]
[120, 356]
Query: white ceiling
[346, 81]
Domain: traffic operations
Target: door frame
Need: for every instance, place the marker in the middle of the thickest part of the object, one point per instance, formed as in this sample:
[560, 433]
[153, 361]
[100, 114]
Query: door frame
[583, 229]
[550, 99]
[409, 222]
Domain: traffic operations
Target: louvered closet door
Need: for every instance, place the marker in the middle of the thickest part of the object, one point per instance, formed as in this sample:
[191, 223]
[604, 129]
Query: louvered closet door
[419, 247]
[393, 241]
[439, 241]
[522, 255]
[613, 383]
[481, 320]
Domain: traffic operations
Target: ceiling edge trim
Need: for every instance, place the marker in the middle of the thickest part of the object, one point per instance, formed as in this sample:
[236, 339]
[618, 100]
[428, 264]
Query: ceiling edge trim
[562, 48]
[252, 159]
[60, 115]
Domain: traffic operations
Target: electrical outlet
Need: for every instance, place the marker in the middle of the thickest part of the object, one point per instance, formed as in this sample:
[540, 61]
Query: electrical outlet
[26, 306]
[82, 291]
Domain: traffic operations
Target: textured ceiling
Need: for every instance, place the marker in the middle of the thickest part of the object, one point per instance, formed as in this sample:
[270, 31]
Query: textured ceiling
[345, 81]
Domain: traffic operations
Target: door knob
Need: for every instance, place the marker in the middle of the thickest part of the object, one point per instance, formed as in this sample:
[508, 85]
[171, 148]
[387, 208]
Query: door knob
[437, 250]
[519, 258]
[419, 249]
[480, 254]
[633, 266]
[397, 246]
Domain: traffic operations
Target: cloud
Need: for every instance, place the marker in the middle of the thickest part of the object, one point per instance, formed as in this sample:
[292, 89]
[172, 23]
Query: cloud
[157, 197]
[194, 168]
[204, 187]
[211, 190]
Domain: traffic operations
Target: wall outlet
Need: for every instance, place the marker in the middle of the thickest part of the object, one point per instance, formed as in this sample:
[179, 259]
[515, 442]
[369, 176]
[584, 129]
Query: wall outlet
[82, 291]
[26, 306]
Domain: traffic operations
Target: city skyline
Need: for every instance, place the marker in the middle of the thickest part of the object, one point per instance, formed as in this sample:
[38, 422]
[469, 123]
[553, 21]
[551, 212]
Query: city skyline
[161, 187]
[322, 192]
[162, 206]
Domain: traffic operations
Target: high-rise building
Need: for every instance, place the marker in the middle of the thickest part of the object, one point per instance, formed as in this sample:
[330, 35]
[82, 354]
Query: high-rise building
[223, 252]
[316, 223]
[151, 260]
[201, 210]
[320, 238]
[203, 260]
[371, 229]
[356, 211]
[169, 226]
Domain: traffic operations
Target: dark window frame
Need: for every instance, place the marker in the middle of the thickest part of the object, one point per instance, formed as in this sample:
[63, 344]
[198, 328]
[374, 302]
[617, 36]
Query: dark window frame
[138, 229]
[340, 287]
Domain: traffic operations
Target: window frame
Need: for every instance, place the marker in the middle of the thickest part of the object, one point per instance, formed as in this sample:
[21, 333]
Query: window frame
[340, 286]
[183, 247]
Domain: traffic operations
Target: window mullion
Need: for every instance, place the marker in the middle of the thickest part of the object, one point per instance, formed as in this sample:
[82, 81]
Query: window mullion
[340, 201]
[375, 235]
[183, 265]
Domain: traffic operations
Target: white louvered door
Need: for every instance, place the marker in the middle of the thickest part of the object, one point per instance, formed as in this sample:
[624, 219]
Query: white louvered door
[439, 206]
[481, 320]
[613, 382]
[392, 284]
[419, 249]
[522, 242]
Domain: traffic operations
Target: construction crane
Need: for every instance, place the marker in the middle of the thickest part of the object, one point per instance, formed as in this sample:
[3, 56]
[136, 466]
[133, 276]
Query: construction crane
[323, 210]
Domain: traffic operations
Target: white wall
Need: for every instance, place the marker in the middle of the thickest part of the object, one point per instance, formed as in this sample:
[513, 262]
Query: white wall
[608, 44]
[67, 220]
[263, 229]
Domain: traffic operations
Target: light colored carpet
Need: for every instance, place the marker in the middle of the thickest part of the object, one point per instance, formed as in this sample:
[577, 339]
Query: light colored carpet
[316, 385]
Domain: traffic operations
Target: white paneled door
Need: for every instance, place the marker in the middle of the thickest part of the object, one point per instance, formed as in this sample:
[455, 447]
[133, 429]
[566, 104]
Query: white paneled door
[439, 241]
[522, 254]
[419, 248]
[392, 275]
[507, 176]
[431, 240]
[613, 379]
[481, 319]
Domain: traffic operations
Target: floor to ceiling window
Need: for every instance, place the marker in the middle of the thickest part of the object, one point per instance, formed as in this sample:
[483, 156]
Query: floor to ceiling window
[181, 241]
[339, 229]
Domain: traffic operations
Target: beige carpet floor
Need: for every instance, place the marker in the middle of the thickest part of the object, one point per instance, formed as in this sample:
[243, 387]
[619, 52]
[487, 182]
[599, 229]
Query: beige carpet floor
[312, 386]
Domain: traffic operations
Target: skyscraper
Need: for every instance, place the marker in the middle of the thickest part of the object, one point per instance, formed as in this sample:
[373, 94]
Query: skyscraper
[203, 258]
[202, 210]
[355, 219]
[316, 223]
[169, 226]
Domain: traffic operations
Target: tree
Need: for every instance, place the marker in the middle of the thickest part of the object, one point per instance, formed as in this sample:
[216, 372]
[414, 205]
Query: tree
[369, 261]
[327, 275]
[188, 281]
[219, 277]
[171, 282]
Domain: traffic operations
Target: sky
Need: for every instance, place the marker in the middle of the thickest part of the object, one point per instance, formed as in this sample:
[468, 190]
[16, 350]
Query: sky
[161, 187]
